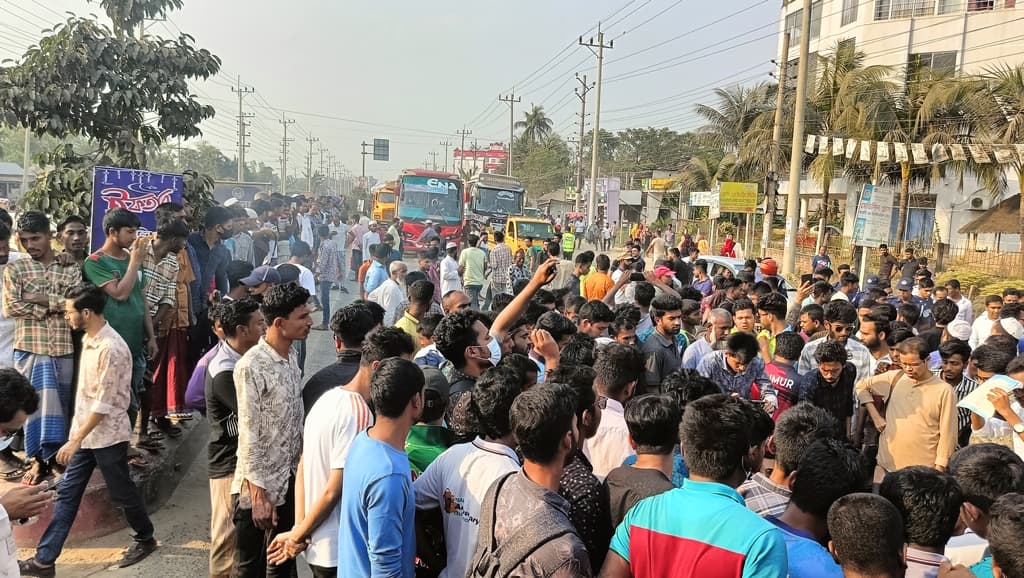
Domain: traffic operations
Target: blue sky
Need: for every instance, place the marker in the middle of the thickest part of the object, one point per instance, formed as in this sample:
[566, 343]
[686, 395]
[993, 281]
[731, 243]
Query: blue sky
[416, 72]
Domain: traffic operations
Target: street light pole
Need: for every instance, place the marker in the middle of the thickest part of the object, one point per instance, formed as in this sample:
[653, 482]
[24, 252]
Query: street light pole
[594, 157]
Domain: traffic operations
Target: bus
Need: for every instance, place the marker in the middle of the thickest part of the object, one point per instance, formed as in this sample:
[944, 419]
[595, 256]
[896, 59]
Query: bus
[384, 202]
[430, 195]
[492, 199]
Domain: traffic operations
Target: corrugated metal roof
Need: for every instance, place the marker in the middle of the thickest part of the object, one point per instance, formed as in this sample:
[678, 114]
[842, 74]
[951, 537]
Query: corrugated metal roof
[13, 169]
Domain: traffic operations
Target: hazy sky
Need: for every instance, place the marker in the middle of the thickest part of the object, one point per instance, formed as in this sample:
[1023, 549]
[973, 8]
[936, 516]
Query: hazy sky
[416, 72]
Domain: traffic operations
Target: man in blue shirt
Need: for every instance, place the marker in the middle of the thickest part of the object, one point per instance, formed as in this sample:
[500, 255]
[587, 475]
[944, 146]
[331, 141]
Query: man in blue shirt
[378, 271]
[376, 533]
[828, 470]
[738, 368]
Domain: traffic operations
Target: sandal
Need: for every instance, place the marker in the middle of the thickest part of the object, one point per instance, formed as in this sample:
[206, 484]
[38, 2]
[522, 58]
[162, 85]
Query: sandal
[38, 472]
[14, 468]
[149, 444]
[169, 428]
[154, 434]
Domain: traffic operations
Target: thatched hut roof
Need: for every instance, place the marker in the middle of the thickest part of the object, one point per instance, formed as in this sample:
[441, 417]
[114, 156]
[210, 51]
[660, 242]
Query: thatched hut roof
[1002, 218]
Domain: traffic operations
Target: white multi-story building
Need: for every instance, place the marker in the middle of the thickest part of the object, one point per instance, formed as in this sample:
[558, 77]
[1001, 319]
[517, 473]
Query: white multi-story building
[961, 36]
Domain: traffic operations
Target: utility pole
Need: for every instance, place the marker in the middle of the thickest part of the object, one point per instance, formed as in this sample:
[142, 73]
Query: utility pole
[284, 153]
[322, 150]
[309, 162]
[797, 155]
[581, 93]
[462, 157]
[599, 53]
[433, 155]
[511, 100]
[445, 143]
[773, 170]
[242, 125]
[366, 184]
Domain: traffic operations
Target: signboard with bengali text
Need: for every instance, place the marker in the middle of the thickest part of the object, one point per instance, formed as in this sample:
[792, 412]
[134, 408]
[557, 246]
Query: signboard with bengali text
[136, 190]
[738, 197]
[874, 216]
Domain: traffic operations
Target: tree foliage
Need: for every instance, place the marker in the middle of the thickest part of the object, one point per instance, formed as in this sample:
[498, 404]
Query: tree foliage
[122, 93]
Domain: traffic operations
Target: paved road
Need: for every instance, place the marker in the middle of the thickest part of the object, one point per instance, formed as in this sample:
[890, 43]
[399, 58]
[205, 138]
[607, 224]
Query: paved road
[182, 525]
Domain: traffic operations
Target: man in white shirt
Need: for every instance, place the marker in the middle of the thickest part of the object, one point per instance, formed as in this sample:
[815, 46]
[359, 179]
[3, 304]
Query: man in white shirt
[371, 237]
[618, 369]
[840, 318]
[965, 309]
[456, 481]
[333, 423]
[301, 257]
[848, 286]
[450, 278]
[390, 294]
[982, 327]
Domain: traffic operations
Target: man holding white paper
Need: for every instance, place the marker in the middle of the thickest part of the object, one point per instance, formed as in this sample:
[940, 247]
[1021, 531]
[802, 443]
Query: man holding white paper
[999, 392]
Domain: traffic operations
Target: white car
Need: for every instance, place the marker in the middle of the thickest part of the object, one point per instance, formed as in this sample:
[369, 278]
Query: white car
[716, 265]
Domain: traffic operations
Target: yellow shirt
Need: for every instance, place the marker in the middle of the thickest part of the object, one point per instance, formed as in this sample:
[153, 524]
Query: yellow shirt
[410, 325]
[920, 420]
[596, 286]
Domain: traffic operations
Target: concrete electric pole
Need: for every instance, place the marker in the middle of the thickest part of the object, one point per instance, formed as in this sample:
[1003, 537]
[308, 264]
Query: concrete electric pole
[797, 155]
[599, 53]
[309, 162]
[462, 150]
[445, 143]
[773, 169]
[284, 153]
[242, 126]
[581, 93]
[511, 100]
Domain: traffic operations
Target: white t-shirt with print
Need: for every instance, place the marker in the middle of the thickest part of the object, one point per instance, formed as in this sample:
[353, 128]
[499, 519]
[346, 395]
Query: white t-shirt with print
[456, 482]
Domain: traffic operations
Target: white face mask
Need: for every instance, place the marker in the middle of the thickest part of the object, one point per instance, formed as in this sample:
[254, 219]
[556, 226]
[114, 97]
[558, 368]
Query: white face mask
[495, 349]
[5, 442]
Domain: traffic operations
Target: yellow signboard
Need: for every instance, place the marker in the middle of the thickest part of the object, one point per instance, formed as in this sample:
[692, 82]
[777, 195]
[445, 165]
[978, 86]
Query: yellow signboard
[738, 197]
[662, 184]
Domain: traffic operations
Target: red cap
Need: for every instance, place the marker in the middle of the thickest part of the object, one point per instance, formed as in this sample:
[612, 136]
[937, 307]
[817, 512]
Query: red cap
[769, 267]
[662, 271]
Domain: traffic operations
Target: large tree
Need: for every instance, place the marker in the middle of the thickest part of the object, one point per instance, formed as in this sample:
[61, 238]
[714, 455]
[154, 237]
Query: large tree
[122, 90]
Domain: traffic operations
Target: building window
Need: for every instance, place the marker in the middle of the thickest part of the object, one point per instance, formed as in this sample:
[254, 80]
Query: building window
[980, 5]
[893, 9]
[850, 11]
[940, 62]
[950, 6]
[795, 19]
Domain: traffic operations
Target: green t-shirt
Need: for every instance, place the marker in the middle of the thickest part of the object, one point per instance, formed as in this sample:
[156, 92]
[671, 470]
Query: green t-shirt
[425, 443]
[473, 259]
[126, 317]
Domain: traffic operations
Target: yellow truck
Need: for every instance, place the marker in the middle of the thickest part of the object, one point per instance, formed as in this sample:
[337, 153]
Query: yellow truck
[385, 205]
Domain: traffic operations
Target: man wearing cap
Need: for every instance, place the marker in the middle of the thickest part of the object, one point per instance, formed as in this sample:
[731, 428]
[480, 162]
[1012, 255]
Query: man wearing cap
[451, 280]
[428, 234]
[370, 237]
[260, 280]
[428, 438]
[904, 293]
[395, 231]
[870, 282]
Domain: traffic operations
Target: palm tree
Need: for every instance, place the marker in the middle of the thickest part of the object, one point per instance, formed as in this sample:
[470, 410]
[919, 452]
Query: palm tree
[996, 103]
[703, 172]
[734, 113]
[536, 125]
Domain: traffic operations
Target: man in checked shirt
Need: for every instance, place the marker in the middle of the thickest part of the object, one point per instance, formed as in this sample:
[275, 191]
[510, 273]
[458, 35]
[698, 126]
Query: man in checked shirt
[34, 297]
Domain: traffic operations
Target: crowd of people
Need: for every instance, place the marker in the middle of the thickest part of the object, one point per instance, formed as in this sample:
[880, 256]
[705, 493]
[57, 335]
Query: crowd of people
[518, 411]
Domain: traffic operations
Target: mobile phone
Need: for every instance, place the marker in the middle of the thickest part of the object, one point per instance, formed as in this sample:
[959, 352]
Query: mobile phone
[806, 278]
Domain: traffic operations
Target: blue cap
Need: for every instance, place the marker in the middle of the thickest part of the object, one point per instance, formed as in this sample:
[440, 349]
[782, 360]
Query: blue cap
[260, 275]
[905, 284]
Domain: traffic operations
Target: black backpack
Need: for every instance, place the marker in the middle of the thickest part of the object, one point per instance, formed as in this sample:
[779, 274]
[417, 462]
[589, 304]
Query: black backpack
[493, 561]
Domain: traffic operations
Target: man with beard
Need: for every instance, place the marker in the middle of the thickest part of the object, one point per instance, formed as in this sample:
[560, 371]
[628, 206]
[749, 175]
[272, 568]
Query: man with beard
[840, 318]
[213, 258]
[955, 355]
[661, 355]
[74, 237]
[831, 386]
[33, 292]
[718, 325]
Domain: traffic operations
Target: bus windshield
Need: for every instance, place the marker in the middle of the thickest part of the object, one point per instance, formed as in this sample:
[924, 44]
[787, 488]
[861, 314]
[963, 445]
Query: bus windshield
[499, 202]
[423, 197]
[386, 198]
[542, 231]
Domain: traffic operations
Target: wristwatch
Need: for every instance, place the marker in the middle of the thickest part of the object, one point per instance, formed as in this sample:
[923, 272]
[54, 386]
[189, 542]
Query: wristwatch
[1019, 428]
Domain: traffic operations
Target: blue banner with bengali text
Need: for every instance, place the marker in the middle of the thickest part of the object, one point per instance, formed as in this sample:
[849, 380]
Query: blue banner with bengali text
[136, 190]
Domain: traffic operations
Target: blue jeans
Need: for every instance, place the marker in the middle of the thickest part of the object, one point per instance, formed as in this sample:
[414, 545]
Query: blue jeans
[323, 292]
[474, 296]
[113, 464]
